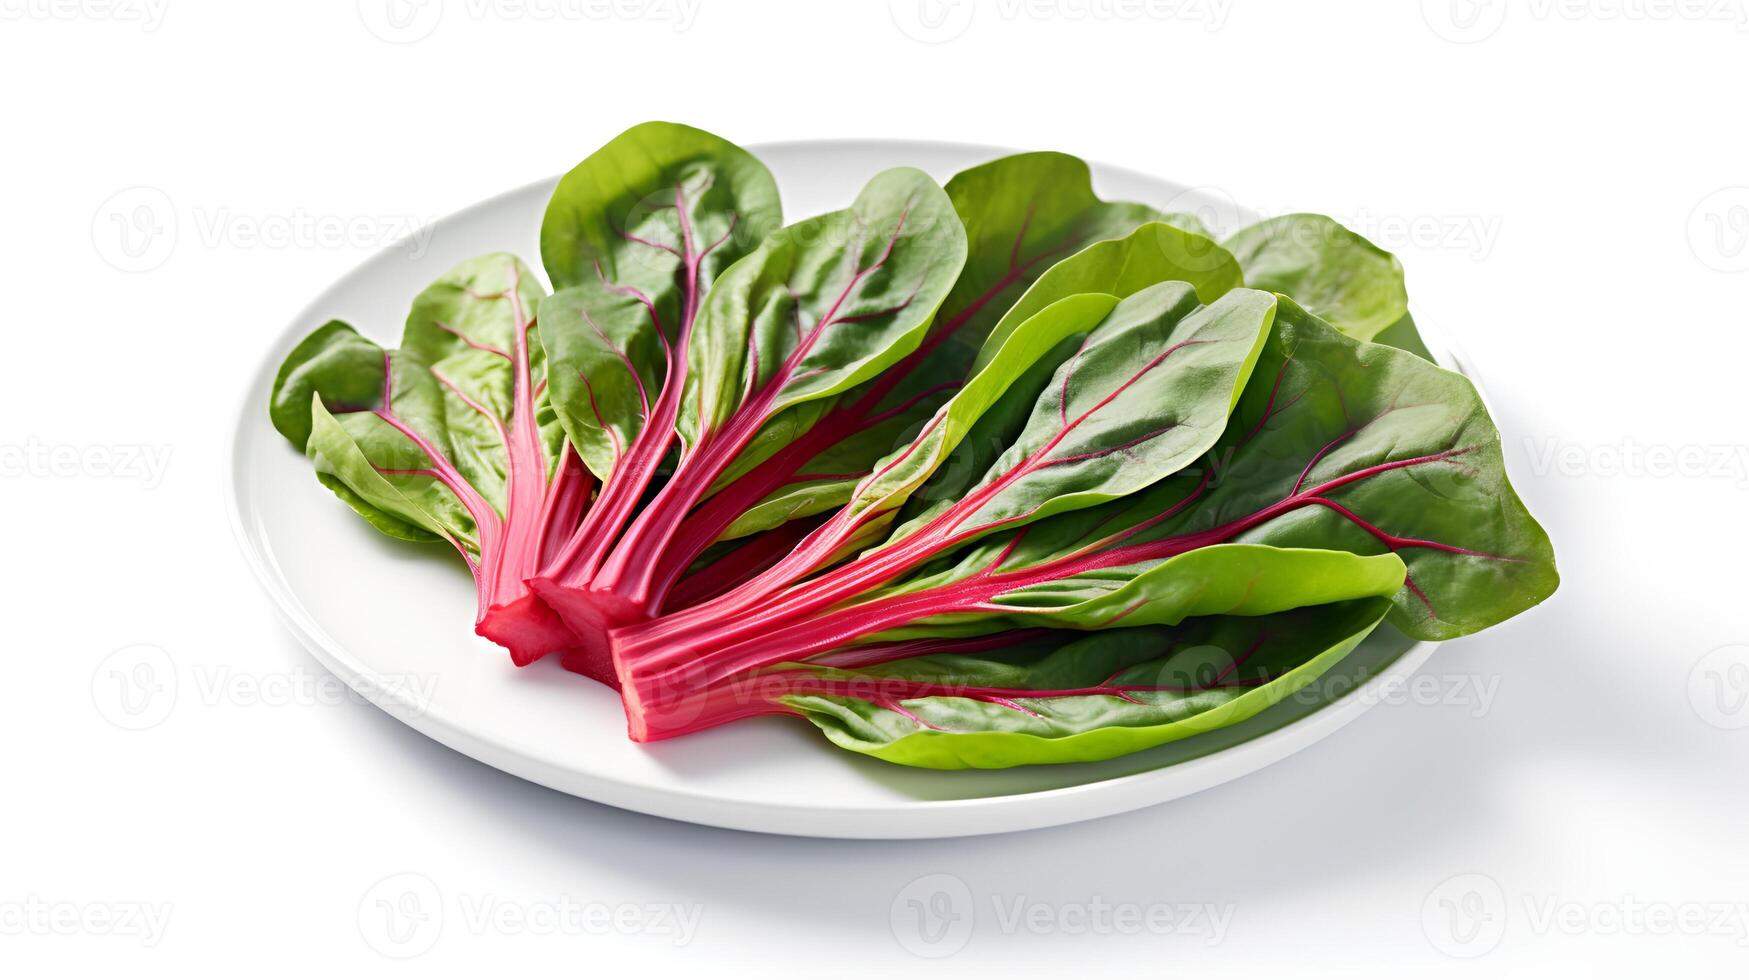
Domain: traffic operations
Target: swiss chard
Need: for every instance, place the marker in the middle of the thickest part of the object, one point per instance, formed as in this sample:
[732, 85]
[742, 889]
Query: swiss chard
[816, 309]
[1064, 697]
[1347, 449]
[1020, 214]
[979, 475]
[450, 437]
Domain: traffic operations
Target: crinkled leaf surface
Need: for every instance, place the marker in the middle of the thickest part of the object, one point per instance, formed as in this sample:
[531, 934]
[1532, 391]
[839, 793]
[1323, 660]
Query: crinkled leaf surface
[448, 410]
[823, 305]
[636, 235]
[1078, 697]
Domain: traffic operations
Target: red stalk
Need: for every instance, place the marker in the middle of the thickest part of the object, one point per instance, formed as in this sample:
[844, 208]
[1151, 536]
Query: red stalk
[561, 582]
[670, 676]
[538, 510]
[608, 580]
[708, 522]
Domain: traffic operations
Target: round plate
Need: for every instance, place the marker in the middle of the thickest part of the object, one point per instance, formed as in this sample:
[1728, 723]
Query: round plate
[394, 620]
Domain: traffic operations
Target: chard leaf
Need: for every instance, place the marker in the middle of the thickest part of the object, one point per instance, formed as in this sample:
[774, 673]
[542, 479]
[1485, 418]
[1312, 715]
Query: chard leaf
[1153, 253]
[1338, 444]
[449, 437]
[1021, 213]
[1093, 433]
[1075, 697]
[1334, 444]
[1346, 470]
[821, 306]
[627, 209]
[1336, 274]
[1403, 336]
[1146, 393]
[634, 236]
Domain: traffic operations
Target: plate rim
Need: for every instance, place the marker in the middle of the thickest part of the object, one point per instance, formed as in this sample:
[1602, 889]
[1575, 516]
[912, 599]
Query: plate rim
[902, 820]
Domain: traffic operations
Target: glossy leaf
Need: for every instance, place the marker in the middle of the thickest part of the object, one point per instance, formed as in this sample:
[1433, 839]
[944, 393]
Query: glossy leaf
[1075, 697]
[1095, 432]
[818, 308]
[1021, 213]
[637, 234]
[822, 305]
[1336, 274]
[449, 437]
[1337, 451]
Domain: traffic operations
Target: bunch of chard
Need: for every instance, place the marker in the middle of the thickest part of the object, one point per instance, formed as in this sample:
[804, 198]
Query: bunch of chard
[981, 474]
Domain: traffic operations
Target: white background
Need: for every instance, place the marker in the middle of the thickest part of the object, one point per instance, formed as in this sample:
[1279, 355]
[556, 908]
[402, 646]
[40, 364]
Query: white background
[1565, 183]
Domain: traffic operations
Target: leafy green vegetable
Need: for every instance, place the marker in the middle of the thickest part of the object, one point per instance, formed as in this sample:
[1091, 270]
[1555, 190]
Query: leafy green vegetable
[450, 437]
[989, 474]
[1069, 697]
[1344, 448]
[1341, 277]
[816, 309]
[1021, 213]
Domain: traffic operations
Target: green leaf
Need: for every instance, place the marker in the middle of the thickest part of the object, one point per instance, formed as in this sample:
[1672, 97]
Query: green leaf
[1403, 336]
[333, 361]
[1153, 253]
[1362, 447]
[637, 234]
[823, 305]
[1336, 274]
[1021, 213]
[452, 407]
[1147, 393]
[662, 183]
[1080, 698]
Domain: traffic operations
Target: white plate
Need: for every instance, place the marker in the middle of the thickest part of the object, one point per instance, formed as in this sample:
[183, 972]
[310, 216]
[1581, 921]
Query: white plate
[395, 620]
